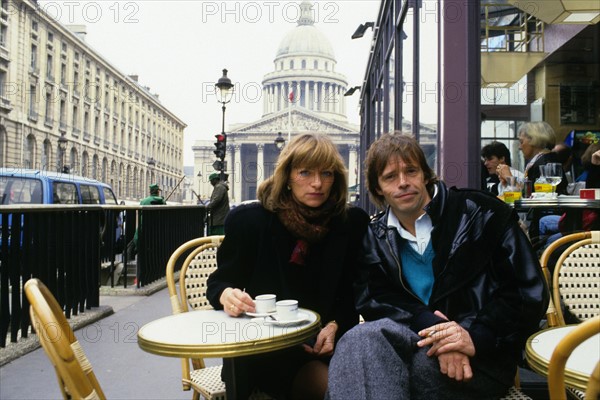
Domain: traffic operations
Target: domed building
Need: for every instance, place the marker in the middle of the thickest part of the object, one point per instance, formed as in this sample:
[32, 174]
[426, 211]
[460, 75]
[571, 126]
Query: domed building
[304, 93]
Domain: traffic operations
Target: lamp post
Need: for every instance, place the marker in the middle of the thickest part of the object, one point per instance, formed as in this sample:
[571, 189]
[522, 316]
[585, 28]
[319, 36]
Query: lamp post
[225, 92]
[62, 146]
[279, 142]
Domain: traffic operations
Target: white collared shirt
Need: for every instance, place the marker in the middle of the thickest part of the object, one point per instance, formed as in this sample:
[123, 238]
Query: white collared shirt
[423, 228]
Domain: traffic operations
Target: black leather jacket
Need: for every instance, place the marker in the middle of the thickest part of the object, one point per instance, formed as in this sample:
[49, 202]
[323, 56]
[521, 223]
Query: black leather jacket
[487, 277]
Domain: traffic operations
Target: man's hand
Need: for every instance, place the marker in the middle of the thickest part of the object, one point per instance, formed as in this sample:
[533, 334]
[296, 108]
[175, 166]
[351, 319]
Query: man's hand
[446, 337]
[455, 365]
[325, 341]
[596, 158]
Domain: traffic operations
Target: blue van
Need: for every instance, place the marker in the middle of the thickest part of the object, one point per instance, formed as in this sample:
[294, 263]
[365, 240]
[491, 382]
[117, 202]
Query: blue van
[29, 186]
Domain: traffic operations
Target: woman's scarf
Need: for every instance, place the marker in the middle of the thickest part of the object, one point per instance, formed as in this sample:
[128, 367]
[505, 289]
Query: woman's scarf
[308, 225]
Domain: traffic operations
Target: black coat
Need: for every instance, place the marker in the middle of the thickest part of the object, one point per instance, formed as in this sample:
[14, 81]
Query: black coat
[255, 256]
[255, 252]
[487, 277]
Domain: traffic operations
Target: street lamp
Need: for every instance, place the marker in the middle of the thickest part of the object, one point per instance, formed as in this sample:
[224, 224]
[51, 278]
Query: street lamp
[225, 89]
[62, 146]
[151, 163]
[279, 142]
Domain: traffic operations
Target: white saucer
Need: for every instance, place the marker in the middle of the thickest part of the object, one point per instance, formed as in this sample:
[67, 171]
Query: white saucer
[301, 317]
[253, 314]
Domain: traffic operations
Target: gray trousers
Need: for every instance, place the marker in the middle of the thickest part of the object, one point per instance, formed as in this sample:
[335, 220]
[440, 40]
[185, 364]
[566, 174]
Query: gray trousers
[381, 360]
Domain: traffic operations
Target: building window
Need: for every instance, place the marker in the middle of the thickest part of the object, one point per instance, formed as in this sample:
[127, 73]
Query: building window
[32, 101]
[50, 37]
[49, 67]
[3, 34]
[33, 57]
[48, 105]
[75, 117]
[63, 74]
[316, 65]
[303, 64]
[292, 64]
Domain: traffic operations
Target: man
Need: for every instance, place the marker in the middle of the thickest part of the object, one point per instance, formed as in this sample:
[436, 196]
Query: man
[448, 284]
[218, 205]
[496, 158]
[154, 199]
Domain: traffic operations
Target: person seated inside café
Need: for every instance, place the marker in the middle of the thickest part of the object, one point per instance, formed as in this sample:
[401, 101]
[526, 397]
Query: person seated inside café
[496, 158]
[553, 227]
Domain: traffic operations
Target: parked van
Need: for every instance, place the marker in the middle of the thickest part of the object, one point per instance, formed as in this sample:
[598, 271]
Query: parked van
[29, 186]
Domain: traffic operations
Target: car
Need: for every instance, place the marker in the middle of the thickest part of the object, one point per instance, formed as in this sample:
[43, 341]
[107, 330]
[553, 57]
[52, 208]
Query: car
[29, 186]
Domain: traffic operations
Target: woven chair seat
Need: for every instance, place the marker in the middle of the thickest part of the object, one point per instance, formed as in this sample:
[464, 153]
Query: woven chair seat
[515, 394]
[208, 382]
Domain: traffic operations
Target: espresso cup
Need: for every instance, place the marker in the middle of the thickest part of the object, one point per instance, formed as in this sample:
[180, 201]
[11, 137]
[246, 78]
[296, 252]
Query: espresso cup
[287, 310]
[265, 303]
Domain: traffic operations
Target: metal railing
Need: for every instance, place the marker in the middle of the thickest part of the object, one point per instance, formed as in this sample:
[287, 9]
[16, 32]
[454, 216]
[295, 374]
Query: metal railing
[69, 247]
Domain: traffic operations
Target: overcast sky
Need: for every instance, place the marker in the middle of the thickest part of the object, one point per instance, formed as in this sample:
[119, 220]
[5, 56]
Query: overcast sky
[178, 49]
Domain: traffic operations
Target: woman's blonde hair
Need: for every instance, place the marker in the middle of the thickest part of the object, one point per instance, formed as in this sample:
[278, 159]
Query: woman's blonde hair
[540, 134]
[310, 150]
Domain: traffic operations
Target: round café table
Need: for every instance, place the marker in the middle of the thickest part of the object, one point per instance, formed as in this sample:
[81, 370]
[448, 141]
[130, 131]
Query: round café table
[214, 334]
[580, 364]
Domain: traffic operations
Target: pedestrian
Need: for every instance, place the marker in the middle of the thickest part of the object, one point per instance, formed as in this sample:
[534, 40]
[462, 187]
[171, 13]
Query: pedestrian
[218, 204]
[153, 199]
[448, 283]
[299, 241]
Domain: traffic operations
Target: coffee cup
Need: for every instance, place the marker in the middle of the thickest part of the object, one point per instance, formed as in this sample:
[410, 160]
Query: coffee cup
[287, 310]
[265, 303]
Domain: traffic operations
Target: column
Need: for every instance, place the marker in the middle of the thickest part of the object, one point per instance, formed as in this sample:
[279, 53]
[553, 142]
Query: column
[260, 163]
[323, 98]
[237, 182]
[305, 93]
[278, 97]
[352, 165]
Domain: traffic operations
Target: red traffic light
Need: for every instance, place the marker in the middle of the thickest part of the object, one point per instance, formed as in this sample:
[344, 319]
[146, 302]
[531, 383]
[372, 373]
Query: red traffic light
[220, 137]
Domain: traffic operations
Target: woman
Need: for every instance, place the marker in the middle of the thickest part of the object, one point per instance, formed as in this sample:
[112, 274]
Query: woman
[536, 139]
[299, 241]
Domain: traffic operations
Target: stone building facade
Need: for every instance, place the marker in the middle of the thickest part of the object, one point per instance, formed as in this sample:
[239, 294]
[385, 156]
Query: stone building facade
[304, 93]
[55, 88]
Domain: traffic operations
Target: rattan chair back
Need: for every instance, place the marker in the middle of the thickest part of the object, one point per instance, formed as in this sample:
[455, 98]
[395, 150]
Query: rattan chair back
[576, 279]
[200, 261]
[551, 313]
[76, 377]
[558, 360]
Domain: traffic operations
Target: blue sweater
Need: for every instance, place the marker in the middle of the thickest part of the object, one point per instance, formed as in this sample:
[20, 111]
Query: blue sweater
[417, 270]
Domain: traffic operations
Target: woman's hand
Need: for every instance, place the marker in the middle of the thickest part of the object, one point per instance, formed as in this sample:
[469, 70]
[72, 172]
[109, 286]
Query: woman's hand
[446, 337]
[503, 172]
[236, 302]
[325, 341]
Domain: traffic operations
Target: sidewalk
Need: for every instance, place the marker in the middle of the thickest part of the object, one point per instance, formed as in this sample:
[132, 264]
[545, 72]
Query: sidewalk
[110, 343]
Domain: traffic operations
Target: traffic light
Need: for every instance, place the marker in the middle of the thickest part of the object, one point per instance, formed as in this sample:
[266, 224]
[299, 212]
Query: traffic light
[220, 145]
[219, 165]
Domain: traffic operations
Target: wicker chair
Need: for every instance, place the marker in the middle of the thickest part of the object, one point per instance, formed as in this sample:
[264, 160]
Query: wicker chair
[556, 369]
[197, 266]
[576, 279]
[575, 282]
[552, 313]
[76, 378]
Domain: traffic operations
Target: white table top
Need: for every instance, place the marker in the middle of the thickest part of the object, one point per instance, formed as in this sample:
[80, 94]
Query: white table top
[211, 333]
[582, 360]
